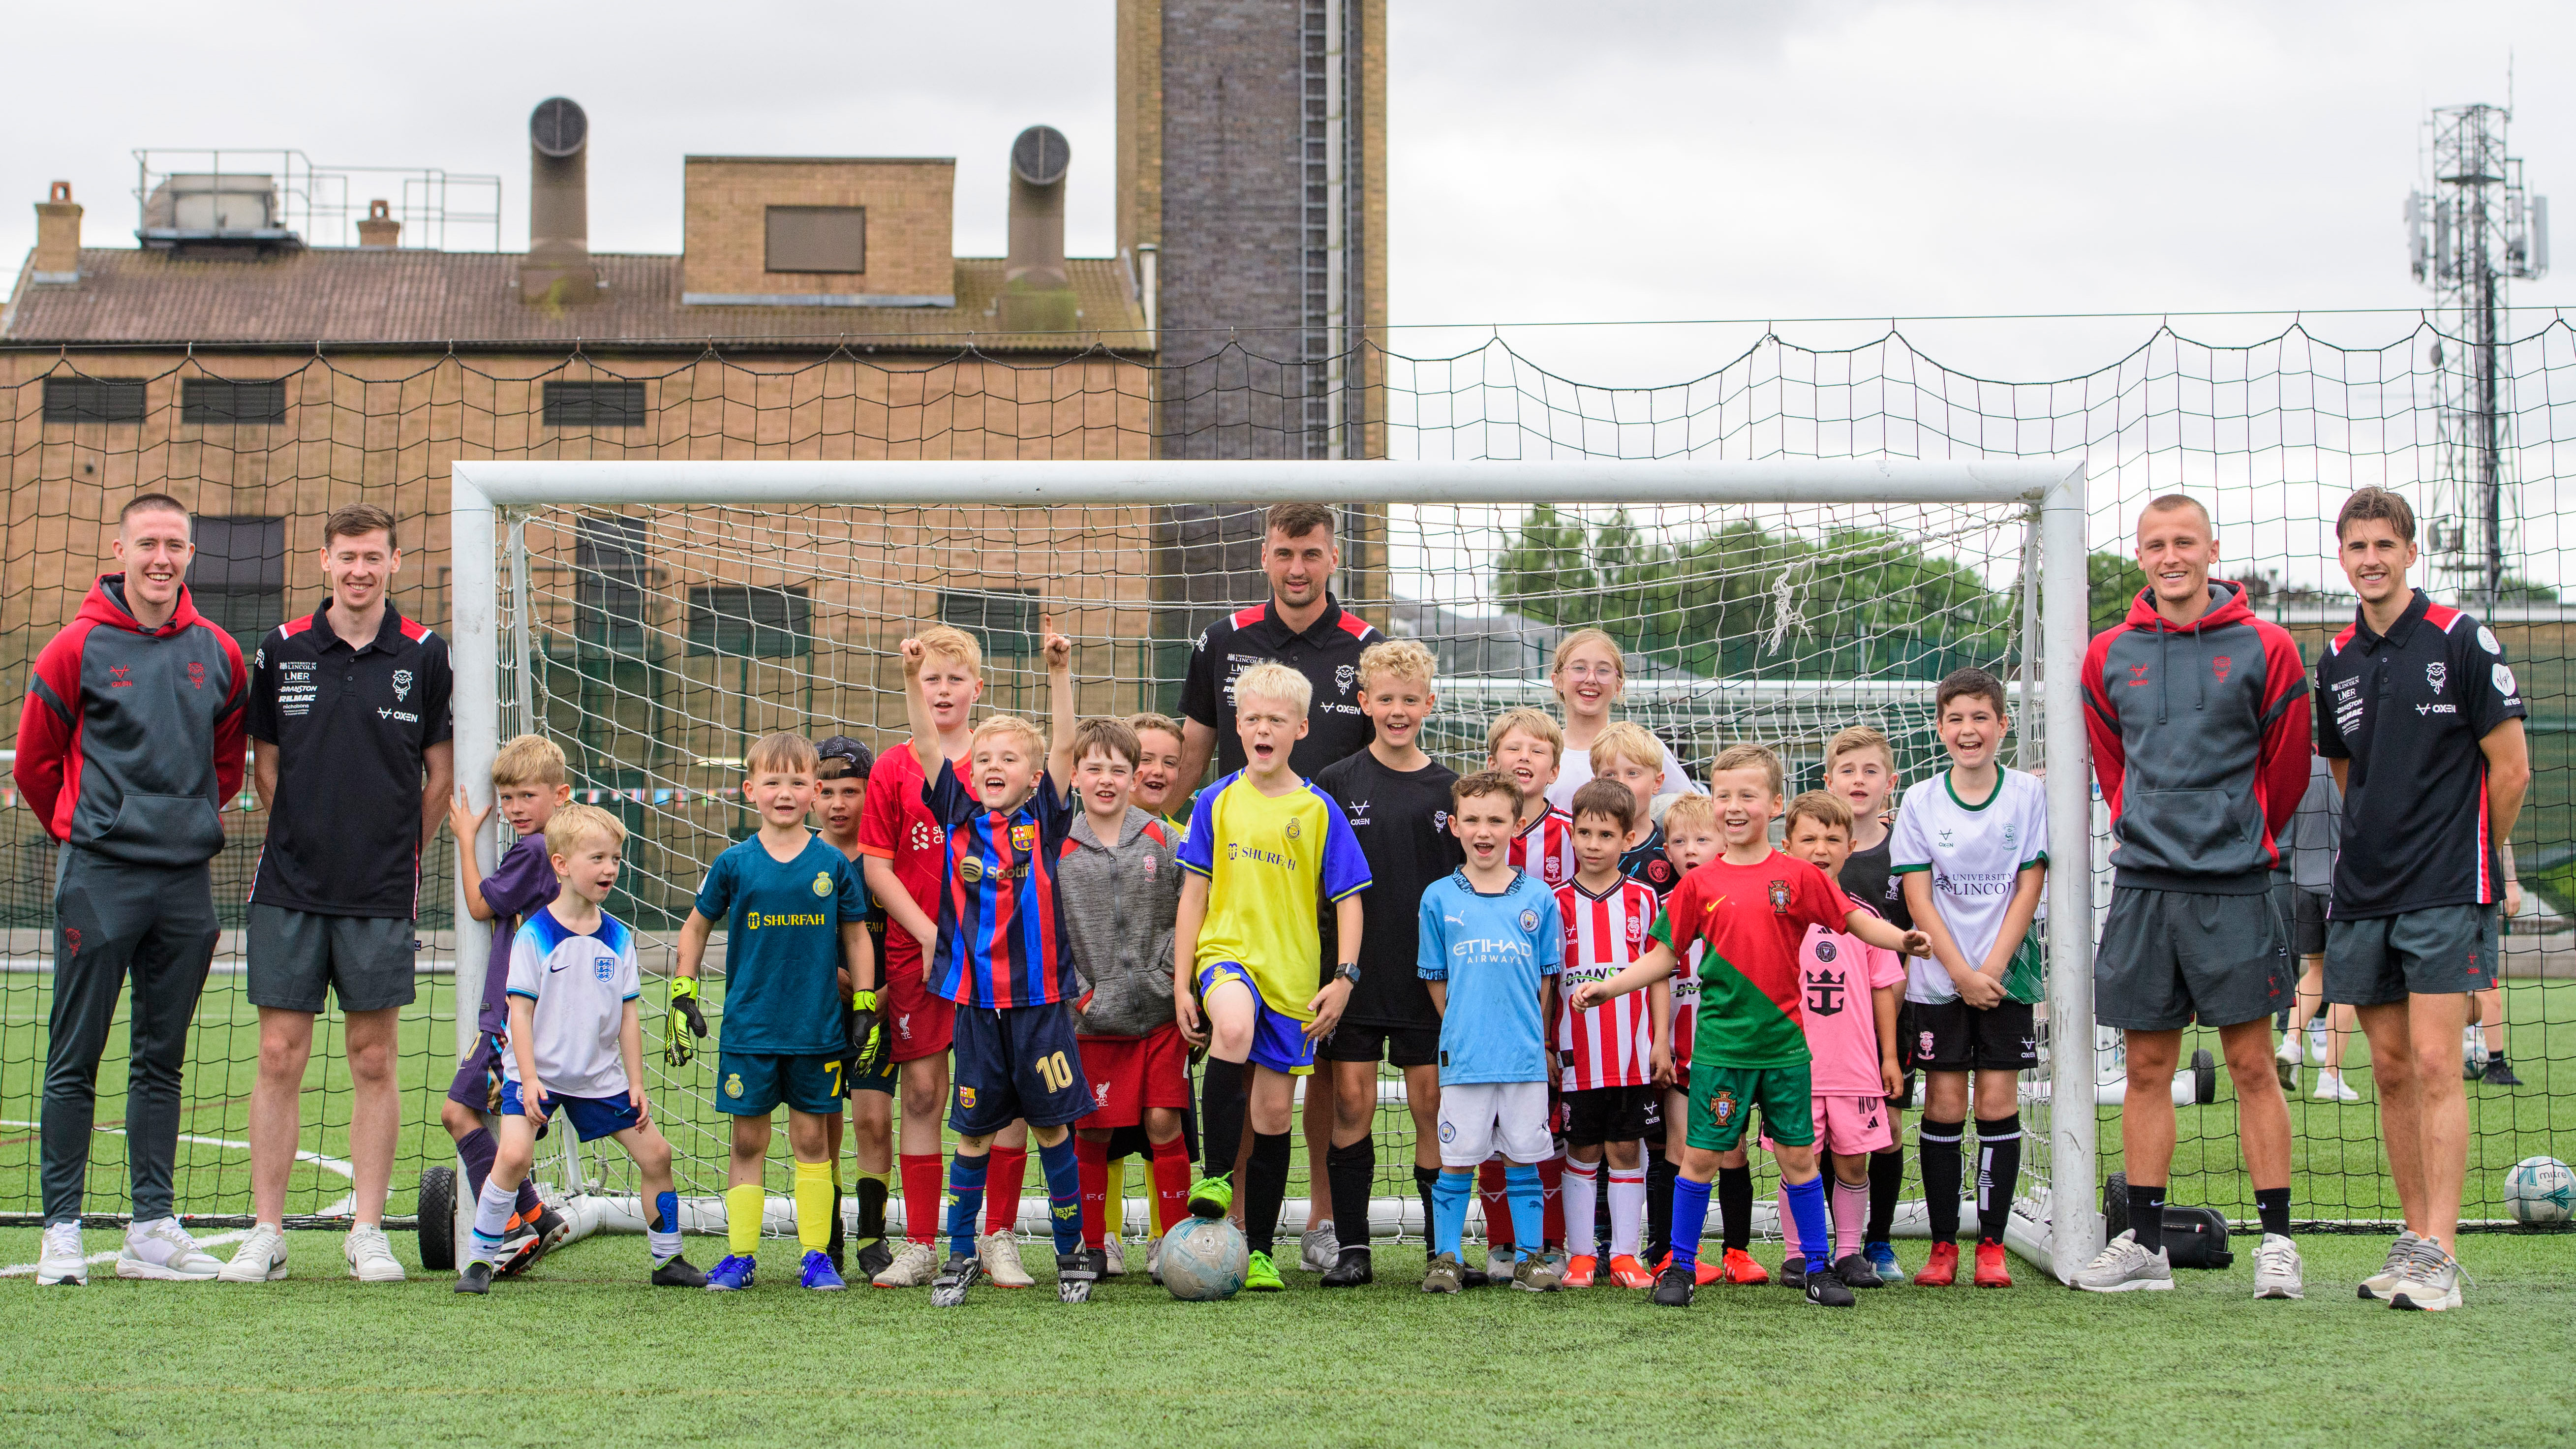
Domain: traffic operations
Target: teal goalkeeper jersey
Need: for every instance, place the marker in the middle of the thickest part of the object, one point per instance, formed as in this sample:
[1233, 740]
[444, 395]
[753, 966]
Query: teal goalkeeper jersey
[782, 923]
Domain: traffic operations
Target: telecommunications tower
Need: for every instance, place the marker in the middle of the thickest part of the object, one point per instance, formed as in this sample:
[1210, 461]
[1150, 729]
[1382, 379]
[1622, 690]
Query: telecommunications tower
[2471, 232]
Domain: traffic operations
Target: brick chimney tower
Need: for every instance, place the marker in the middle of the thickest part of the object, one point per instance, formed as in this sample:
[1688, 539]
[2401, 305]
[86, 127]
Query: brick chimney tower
[380, 231]
[58, 219]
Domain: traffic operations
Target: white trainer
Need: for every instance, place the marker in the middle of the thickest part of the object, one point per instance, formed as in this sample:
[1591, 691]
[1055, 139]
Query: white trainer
[61, 1259]
[2278, 1273]
[1320, 1250]
[2401, 1252]
[2331, 1087]
[371, 1258]
[2431, 1282]
[2124, 1267]
[261, 1258]
[161, 1249]
[2289, 1051]
[2317, 1041]
[1000, 1255]
[914, 1265]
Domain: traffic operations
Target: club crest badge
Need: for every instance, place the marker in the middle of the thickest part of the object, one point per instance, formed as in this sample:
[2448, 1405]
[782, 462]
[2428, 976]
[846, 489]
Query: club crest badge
[2436, 674]
[1721, 1106]
[733, 1084]
[1292, 830]
[1345, 676]
[822, 882]
[1825, 951]
[1779, 898]
[966, 1098]
[604, 968]
[402, 685]
[2220, 664]
[1529, 919]
[1024, 836]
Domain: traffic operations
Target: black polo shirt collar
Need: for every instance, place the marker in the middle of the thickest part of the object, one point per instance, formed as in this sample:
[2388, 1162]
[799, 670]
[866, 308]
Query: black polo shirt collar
[1320, 633]
[2399, 632]
[389, 632]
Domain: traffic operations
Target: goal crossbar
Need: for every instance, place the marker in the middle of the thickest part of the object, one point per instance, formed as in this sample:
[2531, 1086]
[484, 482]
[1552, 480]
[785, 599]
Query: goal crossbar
[485, 493]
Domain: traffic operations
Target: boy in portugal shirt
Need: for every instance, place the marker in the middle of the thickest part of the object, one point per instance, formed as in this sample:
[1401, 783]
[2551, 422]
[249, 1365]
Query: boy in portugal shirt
[1850, 990]
[1752, 906]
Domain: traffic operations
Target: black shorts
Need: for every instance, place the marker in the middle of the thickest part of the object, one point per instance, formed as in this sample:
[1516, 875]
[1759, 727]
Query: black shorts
[2169, 958]
[1952, 1036]
[2435, 951]
[2308, 921]
[1611, 1114]
[1402, 1046]
[1016, 1062]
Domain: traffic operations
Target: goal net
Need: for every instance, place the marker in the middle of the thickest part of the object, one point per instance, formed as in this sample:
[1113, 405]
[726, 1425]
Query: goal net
[655, 619]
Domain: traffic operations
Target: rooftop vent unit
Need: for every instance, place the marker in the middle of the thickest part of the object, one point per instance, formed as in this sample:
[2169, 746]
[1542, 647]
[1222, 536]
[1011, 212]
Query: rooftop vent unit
[214, 209]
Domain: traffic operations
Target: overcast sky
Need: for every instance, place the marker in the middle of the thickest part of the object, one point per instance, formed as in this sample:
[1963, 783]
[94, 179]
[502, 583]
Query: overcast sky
[1550, 162]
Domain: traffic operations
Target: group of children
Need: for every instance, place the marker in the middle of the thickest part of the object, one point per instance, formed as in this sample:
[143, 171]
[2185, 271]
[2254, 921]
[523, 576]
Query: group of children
[1611, 987]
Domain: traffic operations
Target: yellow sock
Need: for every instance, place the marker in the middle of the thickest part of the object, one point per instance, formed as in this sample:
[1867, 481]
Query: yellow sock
[814, 1205]
[1113, 1212]
[743, 1207]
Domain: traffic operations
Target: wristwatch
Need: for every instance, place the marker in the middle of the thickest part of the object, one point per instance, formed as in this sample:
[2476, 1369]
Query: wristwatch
[1348, 971]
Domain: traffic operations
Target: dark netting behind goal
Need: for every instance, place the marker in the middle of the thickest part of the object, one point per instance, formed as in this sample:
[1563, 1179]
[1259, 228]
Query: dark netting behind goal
[658, 641]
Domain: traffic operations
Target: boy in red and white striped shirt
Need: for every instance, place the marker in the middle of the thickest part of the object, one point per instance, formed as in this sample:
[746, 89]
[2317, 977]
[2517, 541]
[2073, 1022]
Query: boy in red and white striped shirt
[1606, 1056]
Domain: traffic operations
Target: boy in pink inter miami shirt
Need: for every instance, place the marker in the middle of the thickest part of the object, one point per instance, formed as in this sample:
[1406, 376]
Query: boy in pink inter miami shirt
[1848, 996]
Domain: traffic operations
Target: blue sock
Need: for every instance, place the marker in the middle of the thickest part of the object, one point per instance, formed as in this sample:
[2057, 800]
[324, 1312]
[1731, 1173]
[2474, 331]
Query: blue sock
[1690, 1219]
[965, 1201]
[1063, 1168]
[1520, 1185]
[1815, 1234]
[1449, 1210]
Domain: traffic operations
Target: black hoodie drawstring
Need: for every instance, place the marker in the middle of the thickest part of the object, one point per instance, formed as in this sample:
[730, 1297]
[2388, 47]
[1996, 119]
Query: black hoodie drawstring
[2164, 667]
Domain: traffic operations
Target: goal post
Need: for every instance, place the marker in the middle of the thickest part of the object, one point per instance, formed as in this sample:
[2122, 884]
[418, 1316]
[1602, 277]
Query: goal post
[497, 660]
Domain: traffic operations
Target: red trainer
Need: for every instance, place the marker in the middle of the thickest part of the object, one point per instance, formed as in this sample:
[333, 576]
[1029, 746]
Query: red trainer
[1627, 1272]
[1739, 1267]
[1991, 1269]
[1703, 1272]
[1941, 1269]
[1579, 1270]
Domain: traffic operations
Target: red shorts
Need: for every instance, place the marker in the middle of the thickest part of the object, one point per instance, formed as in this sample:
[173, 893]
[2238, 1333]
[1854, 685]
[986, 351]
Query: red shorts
[1131, 1073]
[917, 1023]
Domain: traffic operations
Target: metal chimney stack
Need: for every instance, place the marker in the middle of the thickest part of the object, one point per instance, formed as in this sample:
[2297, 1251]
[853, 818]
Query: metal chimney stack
[1037, 292]
[558, 270]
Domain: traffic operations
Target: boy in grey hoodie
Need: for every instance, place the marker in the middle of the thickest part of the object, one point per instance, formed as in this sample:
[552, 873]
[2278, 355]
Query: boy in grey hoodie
[1120, 888]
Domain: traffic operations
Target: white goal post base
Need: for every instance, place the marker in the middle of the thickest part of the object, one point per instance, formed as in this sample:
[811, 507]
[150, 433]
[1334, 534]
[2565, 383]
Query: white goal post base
[487, 494]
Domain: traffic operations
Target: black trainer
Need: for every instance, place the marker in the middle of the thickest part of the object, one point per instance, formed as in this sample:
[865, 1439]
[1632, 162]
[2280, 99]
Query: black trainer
[1793, 1271]
[961, 1272]
[477, 1278]
[1825, 1290]
[1855, 1272]
[875, 1258]
[1674, 1287]
[1075, 1272]
[2499, 1073]
[1353, 1270]
[677, 1272]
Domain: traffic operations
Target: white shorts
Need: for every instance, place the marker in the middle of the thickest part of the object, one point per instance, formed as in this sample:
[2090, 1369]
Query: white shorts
[1479, 1119]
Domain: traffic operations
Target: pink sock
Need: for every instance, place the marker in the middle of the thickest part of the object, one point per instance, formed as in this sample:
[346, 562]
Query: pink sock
[1790, 1247]
[1851, 1211]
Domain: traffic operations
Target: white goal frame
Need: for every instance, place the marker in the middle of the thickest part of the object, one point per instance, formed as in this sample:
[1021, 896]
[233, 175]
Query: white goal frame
[483, 493]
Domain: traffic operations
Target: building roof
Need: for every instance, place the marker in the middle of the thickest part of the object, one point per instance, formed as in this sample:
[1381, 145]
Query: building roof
[404, 298]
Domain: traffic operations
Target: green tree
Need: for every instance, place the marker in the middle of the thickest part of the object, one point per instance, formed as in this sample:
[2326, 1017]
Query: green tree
[2112, 580]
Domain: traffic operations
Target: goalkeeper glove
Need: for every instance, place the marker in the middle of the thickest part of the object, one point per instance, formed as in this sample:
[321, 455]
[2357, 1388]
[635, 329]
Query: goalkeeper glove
[867, 1035]
[676, 1048]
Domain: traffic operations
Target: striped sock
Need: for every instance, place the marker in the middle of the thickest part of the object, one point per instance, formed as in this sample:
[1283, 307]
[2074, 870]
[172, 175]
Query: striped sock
[492, 1209]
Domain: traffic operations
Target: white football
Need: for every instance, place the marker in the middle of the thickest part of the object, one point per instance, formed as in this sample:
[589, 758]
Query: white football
[2540, 1192]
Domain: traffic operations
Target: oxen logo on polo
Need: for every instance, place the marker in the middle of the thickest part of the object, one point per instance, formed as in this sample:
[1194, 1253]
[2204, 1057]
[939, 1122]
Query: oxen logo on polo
[1945, 839]
[822, 882]
[402, 684]
[2435, 674]
[733, 1084]
[1529, 919]
[1721, 1105]
[2220, 664]
[970, 870]
[1344, 676]
[2137, 676]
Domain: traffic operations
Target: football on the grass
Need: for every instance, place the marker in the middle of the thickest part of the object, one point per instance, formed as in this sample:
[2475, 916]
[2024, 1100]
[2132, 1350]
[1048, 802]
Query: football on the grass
[1203, 1261]
[2540, 1192]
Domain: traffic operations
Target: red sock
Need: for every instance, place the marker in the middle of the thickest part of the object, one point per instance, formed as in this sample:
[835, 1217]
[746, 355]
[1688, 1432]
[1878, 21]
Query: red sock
[1091, 1159]
[1498, 1207]
[1002, 1183]
[1551, 1196]
[924, 1179]
[1172, 1180]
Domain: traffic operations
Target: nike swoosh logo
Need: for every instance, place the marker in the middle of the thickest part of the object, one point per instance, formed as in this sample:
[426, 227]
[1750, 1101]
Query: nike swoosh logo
[554, 967]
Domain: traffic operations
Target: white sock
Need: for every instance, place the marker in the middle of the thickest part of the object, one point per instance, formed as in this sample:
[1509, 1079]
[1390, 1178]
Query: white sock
[663, 1246]
[1582, 1188]
[1627, 1207]
[492, 1209]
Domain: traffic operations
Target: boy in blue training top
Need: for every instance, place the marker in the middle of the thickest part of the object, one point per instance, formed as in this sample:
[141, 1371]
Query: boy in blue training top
[577, 1043]
[1491, 942]
[795, 918]
[1004, 957]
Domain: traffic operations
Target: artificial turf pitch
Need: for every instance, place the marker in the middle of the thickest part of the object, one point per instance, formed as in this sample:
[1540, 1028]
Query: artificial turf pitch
[581, 1352]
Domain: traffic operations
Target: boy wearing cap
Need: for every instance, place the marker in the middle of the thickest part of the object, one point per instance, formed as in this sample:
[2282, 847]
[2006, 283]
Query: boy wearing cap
[840, 795]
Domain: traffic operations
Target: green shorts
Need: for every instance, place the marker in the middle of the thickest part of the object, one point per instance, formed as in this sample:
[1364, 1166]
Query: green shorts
[1723, 1099]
